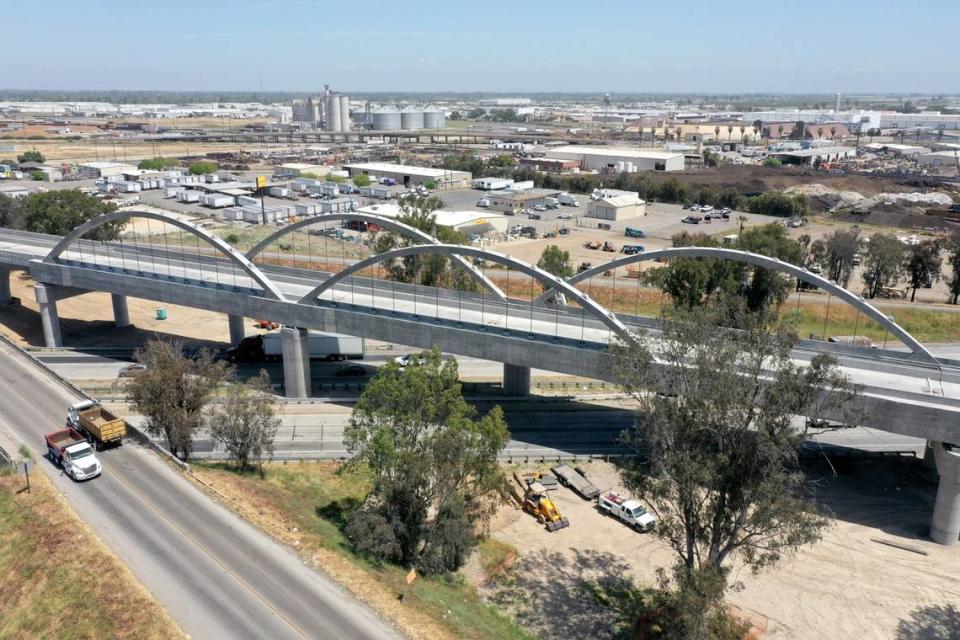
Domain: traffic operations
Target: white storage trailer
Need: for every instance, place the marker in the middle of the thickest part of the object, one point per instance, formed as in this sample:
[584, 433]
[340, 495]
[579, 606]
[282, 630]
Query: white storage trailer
[322, 345]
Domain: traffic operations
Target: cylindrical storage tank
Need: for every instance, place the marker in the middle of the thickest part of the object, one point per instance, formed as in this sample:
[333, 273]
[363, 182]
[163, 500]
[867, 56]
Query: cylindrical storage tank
[434, 118]
[344, 113]
[333, 113]
[386, 119]
[411, 118]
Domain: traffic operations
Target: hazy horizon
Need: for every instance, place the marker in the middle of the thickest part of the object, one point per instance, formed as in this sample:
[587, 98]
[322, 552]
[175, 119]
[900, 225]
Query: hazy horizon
[743, 47]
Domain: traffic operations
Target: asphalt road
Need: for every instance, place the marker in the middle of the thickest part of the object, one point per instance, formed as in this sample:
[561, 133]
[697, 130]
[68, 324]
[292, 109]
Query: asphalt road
[218, 576]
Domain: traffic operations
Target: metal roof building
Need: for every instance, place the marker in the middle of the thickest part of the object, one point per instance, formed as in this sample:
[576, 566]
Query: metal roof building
[620, 159]
[407, 175]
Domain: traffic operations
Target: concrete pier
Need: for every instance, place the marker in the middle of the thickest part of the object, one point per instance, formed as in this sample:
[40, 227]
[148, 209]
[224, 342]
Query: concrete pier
[121, 314]
[4, 286]
[237, 331]
[516, 380]
[945, 527]
[296, 362]
[47, 300]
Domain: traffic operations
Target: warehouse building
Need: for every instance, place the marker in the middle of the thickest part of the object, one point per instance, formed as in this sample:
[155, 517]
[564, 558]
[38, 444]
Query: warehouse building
[467, 222]
[551, 165]
[617, 205]
[620, 159]
[106, 169]
[948, 158]
[407, 175]
[810, 156]
[512, 201]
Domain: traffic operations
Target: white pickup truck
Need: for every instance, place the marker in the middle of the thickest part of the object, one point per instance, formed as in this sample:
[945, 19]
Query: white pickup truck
[627, 510]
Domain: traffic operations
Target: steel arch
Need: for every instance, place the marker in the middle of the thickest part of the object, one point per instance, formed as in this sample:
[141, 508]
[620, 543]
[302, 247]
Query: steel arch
[389, 223]
[760, 261]
[232, 254]
[547, 279]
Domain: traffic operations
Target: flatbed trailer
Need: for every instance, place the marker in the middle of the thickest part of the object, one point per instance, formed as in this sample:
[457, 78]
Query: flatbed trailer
[570, 477]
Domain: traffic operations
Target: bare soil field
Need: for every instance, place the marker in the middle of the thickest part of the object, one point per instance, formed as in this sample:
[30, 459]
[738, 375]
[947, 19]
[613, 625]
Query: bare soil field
[847, 586]
[87, 320]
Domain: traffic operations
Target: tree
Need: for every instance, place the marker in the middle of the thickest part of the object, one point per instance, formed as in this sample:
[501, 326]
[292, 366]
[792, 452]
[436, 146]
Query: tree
[766, 287]
[332, 177]
[429, 184]
[922, 264]
[729, 132]
[13, 164]
[38, 175]
[428, 270]
[838, 253]
[30, 156]
[173, 390]
[60, 212]
[953, 257]
[361, 180]
[718, 448]
[883, 263]
[772, 162]
[556, 261]
[158, 163]
[245, 422]
[502, 160]
[202, 167]
[427, 451]
[456, 115]
[11, 212]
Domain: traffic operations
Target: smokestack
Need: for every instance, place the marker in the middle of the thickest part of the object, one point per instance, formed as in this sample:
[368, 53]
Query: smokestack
[837, 107]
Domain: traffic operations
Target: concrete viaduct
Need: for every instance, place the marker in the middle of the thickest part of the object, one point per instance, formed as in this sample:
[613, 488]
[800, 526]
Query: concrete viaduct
[913, 394]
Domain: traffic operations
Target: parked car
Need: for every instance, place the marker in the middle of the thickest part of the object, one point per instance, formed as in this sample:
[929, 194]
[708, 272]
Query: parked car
[131, 370]
[691, 220]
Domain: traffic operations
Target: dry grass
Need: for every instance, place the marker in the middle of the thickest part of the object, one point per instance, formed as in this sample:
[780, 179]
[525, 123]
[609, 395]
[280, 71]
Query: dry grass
[58, 580]
[303, 505]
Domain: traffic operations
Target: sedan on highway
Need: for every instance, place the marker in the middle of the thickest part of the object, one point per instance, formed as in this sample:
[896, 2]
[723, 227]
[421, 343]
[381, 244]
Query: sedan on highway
[351, 371]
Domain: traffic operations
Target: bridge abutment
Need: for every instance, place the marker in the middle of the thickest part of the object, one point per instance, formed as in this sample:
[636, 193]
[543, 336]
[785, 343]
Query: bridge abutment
[237, 331]
[4, 286]
[47, 301]
[945, 527]
[121, 314]
[516, 380]
[296, 362]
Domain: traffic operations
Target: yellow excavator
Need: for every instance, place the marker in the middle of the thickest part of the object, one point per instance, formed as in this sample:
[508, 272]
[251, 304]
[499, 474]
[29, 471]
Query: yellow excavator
[541, 507]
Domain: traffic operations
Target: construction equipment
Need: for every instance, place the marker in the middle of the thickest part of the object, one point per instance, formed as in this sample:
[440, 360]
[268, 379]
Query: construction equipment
[608, 246]
[593, 244]
[584, 266]
[270, 325]
[535, 501]
[537, 504]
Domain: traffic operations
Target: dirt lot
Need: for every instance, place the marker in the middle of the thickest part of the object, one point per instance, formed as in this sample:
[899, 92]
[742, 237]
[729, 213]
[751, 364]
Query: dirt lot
[87, 320]
[847, 586]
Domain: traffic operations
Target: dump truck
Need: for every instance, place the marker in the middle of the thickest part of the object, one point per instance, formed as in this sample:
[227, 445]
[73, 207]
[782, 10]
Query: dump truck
[268, 347]
[69, 449]
[541, 507]
[99, 425]
[575, 480]
[629, 511]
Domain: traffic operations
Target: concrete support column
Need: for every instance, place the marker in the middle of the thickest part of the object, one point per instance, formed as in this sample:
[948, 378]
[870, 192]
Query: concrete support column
[516, 380]
[48, 315]
[945, 527]
[4, 286]
[121, 315]
[296, 362]
[929, 458]
[237, 331]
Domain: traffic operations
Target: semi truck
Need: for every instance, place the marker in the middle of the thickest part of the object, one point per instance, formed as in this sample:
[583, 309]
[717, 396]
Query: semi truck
[101, 427]
[69, 450]
[623, 508]
[268, 347]
[567, 199]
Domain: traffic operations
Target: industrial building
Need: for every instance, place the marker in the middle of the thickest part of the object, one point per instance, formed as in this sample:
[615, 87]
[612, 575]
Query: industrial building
[467, 222]
[407, 175]
[306, 111]
[512, 201]
[810, 156]
[551, 165]
[941, 158]
[620, 159]
[617, 205]
[106, 169]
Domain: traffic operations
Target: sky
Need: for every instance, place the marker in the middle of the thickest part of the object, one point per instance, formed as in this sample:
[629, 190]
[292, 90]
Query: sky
[690, 46]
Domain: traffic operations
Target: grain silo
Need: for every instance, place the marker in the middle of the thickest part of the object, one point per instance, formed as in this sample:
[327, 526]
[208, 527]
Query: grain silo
[386, 119]
[434, 118]
[344, 113]
[411, 118]
[332, 108]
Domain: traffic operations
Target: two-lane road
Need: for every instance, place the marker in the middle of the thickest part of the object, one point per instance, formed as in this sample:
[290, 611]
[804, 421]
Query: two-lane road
[218, 576]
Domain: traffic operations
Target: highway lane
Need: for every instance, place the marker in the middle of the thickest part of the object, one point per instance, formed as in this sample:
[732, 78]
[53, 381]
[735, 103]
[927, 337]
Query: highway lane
[217, 575]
